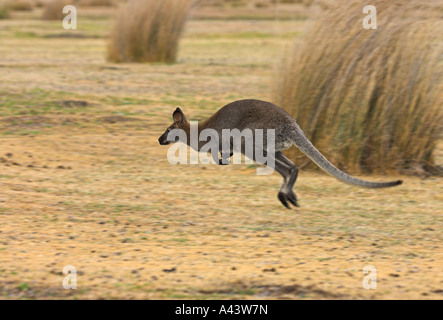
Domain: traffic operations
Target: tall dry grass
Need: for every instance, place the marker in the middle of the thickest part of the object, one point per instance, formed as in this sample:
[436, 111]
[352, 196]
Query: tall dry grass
[370, 100]
[149, 31]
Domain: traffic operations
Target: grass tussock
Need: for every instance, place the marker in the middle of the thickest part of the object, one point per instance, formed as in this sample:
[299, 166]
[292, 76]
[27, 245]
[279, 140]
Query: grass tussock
[370, 100]
[4, 10]
[20, 5]
[148, 31]
[53, 10]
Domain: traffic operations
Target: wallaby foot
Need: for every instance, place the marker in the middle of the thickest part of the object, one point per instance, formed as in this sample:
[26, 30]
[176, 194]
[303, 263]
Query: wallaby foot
[293, 198]
[289, 171]
[285, 197]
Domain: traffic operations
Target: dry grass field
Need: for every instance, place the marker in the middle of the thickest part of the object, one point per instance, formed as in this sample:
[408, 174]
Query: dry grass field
[84, 181]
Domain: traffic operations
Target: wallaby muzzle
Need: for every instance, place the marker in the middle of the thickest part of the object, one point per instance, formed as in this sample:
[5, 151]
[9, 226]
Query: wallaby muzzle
[163, 140]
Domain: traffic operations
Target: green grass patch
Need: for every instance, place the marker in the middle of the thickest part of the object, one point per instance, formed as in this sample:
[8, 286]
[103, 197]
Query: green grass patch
[38, 101]
[23, 286]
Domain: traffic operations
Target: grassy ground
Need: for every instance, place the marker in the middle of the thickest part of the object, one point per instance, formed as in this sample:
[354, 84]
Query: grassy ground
[85, 183]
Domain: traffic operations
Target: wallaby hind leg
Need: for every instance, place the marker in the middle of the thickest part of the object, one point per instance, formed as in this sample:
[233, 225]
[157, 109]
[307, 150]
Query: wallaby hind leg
[287, 172]
[293, 173]
[284, 195]
[294, 169]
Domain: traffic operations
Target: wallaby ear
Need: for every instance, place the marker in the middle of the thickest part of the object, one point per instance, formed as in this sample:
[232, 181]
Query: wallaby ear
[178, 116]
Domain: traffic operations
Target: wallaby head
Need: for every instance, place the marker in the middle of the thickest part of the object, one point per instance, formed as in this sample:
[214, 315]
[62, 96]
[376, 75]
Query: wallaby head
[180, 122]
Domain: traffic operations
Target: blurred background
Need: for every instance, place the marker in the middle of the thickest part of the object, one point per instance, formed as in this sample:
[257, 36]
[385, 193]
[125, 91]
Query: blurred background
[85, 183]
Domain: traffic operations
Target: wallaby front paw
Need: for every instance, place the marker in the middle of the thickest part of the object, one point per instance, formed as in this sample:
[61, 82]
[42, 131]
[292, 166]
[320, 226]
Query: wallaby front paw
[223, 162]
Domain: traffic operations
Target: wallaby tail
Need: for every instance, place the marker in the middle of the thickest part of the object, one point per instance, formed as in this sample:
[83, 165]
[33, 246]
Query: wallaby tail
[308, 149]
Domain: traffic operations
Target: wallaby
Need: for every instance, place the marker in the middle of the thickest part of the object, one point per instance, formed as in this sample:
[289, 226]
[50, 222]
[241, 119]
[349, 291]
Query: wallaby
[256, 114]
